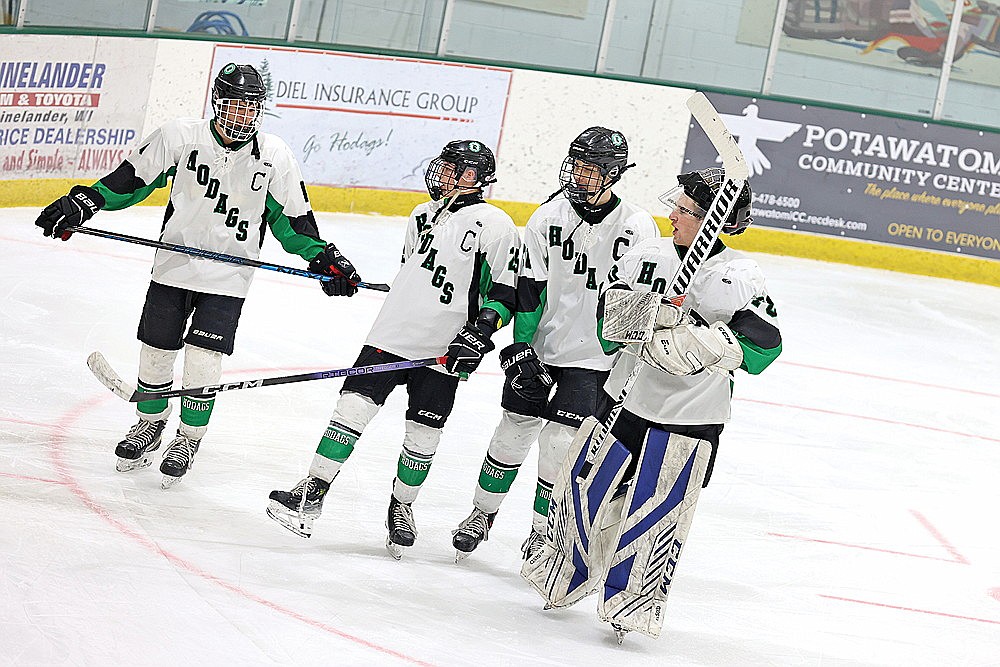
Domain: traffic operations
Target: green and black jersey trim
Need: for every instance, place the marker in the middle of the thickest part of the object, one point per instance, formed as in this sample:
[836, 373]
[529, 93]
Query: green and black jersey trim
[495, 296]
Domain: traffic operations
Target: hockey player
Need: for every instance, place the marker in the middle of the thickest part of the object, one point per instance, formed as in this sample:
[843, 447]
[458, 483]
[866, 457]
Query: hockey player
[637, 495]
[570, 244]
[454, 290]
[229, 180]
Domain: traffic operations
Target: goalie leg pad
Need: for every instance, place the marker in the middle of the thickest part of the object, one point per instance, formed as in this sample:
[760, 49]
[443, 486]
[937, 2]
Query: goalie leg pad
[659, 507]
[566, 569]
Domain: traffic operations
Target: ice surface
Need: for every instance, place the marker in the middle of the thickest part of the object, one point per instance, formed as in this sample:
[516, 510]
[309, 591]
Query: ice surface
[851, 519]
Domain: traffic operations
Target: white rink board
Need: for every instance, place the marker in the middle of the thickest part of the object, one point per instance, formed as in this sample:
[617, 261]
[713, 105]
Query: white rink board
[844, 524]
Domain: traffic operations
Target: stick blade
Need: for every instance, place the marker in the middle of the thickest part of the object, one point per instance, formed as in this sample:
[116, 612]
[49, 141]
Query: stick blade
[107, 376]
[722, 139]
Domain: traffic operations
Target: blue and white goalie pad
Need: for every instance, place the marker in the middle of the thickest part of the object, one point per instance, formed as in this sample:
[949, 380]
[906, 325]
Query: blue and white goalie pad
[656, 518]
[582, 519]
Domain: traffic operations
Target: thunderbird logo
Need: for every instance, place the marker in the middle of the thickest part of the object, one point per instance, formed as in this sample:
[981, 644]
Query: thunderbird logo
[750, 129]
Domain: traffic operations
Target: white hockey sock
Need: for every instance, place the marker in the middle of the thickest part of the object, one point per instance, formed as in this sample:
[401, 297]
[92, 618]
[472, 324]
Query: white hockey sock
[156, 373]
[509, 447]
[349, 419]
[553, 444]
[201, 367]
[419, 444]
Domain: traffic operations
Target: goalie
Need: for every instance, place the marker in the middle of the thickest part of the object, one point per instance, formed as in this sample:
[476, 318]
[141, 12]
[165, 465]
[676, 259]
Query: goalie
[623, 503]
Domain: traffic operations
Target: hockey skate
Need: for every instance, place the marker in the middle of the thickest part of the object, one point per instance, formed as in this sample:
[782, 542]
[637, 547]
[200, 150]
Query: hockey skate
[136, 450]
[471, 532]
[532, 545]
[297, 509]
[402, 529]
[620, 633]
[178, 459]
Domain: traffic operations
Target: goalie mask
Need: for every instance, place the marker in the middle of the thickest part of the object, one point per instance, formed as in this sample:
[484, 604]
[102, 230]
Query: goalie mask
[596, 161]
[701, 187]
[238, 101]
[445, 172]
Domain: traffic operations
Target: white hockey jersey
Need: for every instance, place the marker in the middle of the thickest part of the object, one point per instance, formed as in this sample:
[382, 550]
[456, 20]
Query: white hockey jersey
[464, 261]
[728, 288]
[565, 264]
[220, 200]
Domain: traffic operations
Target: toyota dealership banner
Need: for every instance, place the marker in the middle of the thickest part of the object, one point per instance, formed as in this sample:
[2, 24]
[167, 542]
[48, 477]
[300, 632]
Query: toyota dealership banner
[370, 121]
[71, 107]
[864, 177]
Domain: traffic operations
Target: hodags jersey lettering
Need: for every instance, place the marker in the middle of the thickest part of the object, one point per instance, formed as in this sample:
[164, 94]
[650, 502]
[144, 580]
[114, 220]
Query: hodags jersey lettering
[728, 288]
[564, 265]
[220, 200]
[465, 261]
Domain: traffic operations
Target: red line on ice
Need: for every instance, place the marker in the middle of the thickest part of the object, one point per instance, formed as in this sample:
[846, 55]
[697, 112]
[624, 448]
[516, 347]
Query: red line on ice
[875, 419]
[939, 537]
[59, 432]
[919, 611]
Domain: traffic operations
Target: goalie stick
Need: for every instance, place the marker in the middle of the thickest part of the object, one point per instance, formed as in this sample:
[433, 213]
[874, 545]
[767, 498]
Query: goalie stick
[102, 370]
[219, 256]
[737, 172]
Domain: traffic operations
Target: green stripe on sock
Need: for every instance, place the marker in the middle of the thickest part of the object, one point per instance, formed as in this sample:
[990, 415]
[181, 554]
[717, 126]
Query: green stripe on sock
[196, 411]
[151, 407]
[337, 443]
[412, 469]
[496, 478]
[543, 494]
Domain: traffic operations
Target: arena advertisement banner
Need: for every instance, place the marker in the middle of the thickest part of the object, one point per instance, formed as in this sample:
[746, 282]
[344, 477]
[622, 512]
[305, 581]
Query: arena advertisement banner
[370, 121]
[71, 107]
[864, 177]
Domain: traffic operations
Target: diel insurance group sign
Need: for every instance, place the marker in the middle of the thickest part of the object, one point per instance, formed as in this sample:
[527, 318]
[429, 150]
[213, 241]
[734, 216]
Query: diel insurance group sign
[369, 121]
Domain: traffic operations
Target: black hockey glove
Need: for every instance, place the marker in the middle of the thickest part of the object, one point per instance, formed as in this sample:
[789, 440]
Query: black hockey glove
[525, 373]
[330, 262]
[469, 347]
[58, 218]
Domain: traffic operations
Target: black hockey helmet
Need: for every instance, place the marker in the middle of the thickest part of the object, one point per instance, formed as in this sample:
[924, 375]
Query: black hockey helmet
[596, 160]
[238, 96]
[702, 186]
[446, 169]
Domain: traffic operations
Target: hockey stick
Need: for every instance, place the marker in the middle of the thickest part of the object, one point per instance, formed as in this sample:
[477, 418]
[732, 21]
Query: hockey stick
[218, 256]
[722, 206]
[102, 370]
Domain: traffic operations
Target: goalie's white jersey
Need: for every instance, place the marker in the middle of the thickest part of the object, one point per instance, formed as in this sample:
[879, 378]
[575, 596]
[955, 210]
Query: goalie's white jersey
[465, 261]
[564, 266]
[221, 200]
[728, 282]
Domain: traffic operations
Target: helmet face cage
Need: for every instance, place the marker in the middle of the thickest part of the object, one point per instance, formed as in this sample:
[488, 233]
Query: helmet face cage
[582, 181]
[441, 177]
[238, 101]
[702, 186]
[444, 172]
[595, 162]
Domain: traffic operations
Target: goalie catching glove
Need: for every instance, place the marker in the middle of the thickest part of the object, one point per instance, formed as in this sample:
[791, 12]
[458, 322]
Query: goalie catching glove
[687, 349]
[60, 217]
[525, 373]
[331, 262]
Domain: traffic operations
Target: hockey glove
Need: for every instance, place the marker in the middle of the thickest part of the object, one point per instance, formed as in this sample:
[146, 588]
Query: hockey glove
[468, 349]
[330, 262]
[60, 217]
[526, 375]
[688, 349]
